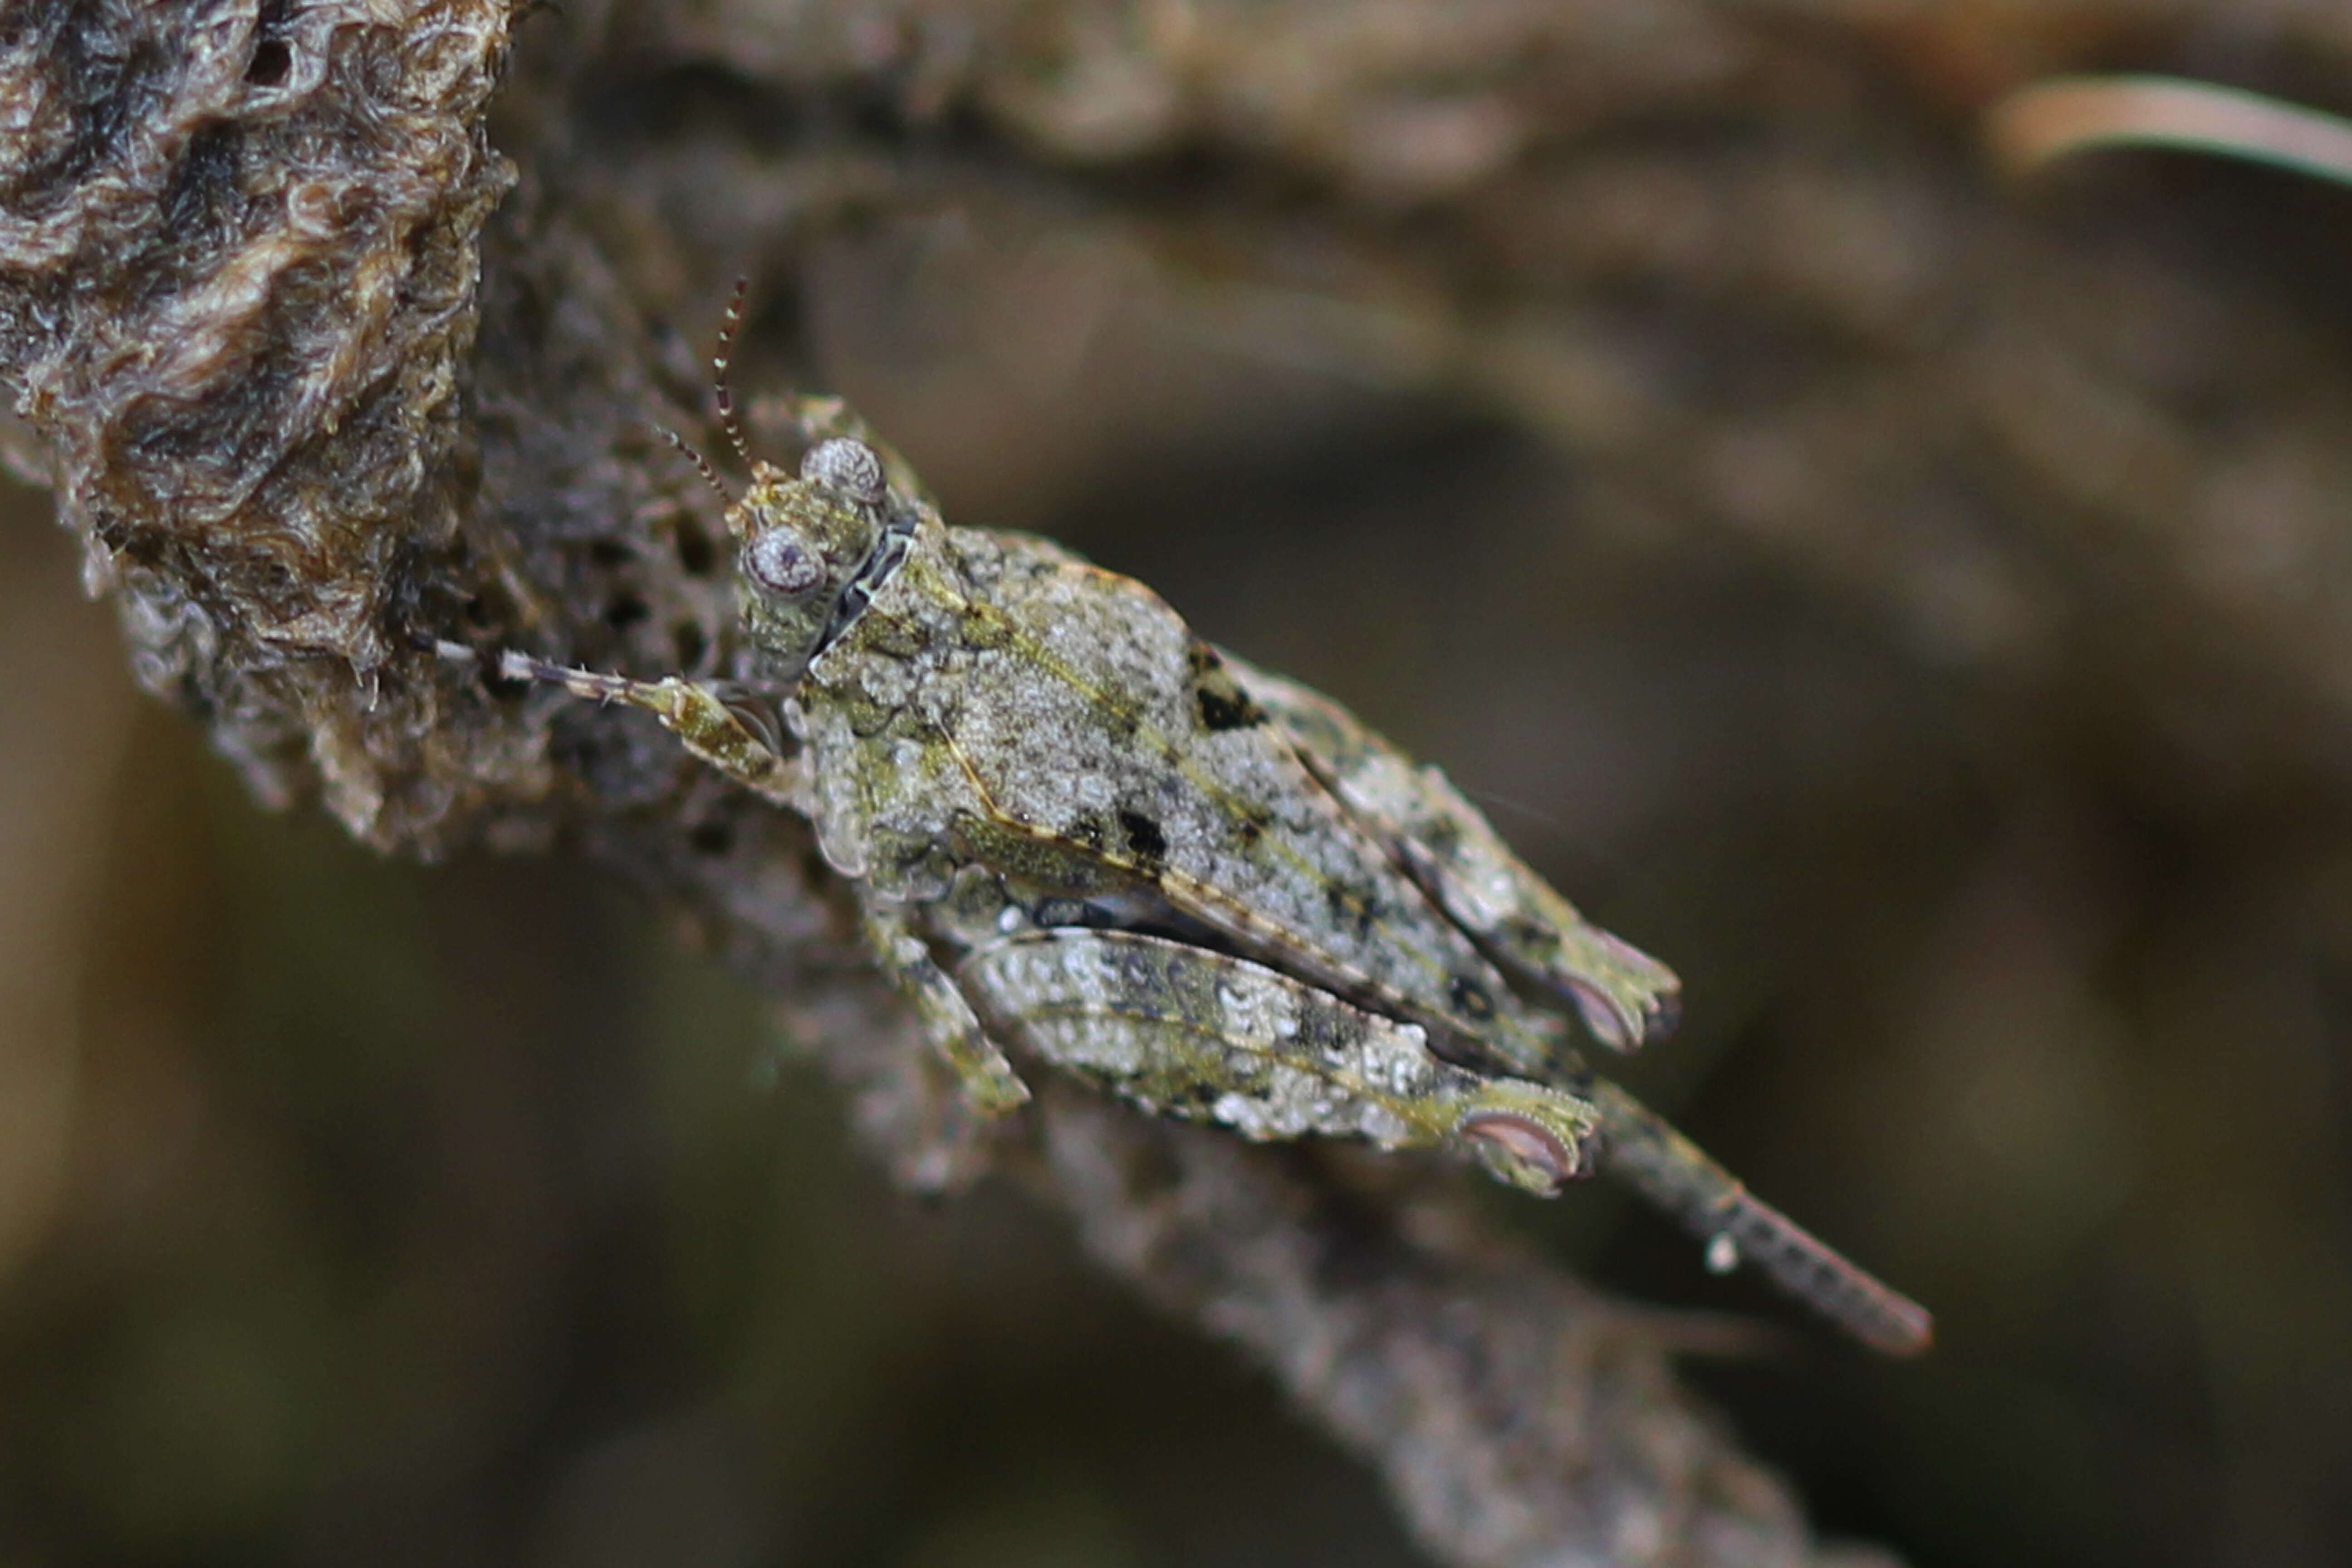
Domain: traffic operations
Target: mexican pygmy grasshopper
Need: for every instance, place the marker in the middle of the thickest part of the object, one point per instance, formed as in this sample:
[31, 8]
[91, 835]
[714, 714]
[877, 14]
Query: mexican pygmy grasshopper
[1077, 830]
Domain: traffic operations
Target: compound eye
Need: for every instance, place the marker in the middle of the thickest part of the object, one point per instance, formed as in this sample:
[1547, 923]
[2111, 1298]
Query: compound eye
[781, 564]
[848, 465]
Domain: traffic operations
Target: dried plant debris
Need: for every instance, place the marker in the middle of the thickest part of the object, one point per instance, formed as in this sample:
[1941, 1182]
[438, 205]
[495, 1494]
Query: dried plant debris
[2040, 125]
[240, 258]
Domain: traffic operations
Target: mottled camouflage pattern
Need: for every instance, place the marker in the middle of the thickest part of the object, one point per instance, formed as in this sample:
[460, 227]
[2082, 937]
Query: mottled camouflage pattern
[1078, 831]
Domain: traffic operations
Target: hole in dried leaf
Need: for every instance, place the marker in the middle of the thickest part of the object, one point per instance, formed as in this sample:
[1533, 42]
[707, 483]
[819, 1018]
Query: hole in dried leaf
[272, 63]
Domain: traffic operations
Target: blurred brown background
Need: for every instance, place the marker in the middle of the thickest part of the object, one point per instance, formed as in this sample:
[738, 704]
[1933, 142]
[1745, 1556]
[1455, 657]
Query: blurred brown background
[1918, 608]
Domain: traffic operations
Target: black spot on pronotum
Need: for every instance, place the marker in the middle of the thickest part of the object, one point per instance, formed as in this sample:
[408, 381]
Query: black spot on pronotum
[1350, 906]
[1228, 710]
[1470, 998]
[1222, 703]
[1144, 839]
[711, 837]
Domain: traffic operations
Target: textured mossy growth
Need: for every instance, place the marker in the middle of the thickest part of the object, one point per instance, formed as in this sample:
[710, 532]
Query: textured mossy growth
[240, 252]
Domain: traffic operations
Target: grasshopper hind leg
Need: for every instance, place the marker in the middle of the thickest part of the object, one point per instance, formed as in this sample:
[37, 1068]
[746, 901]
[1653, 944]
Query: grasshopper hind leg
[1640, 1149]
[1625, 997]
[1206, 1037]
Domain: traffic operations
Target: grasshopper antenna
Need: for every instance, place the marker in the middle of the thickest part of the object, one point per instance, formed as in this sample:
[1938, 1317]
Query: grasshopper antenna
[702, 464]
[719, 364]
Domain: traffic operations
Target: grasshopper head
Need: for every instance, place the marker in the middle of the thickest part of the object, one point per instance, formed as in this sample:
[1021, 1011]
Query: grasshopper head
[803, 541]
